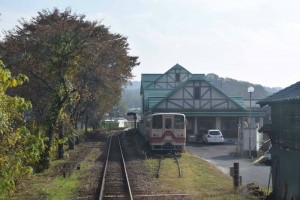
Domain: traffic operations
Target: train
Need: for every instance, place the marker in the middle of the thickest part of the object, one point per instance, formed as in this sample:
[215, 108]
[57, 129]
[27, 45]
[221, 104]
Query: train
[166, 131]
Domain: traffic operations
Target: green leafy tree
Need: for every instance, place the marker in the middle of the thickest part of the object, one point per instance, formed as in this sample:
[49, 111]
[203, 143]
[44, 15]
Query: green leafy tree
[19, 149]
[70, 62]
[46, 49]
[101, 76]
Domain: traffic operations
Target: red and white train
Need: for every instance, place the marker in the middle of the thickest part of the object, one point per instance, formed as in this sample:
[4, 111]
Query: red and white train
[166, 131]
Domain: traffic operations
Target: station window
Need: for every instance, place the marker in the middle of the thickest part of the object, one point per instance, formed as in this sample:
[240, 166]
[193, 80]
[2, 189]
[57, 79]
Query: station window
[177, 77]
[197, 92]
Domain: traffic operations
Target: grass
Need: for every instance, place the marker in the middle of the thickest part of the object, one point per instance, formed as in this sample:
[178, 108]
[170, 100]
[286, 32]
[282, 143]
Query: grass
[55, 187]
[199, 178]
[61, 188]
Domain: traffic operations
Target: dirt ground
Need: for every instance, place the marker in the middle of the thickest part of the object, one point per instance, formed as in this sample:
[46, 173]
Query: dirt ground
[90, 185]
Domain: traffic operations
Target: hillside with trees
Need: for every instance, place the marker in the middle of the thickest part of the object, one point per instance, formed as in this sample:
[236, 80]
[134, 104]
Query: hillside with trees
[232, 87]
[131, 97]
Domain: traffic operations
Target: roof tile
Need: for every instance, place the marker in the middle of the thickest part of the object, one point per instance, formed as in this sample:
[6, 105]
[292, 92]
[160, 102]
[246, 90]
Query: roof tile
[291, 93]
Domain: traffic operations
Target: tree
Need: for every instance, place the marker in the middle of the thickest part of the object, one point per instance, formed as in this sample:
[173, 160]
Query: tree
[102, 75]
[45, 49]
[18, 147]
[68, 60]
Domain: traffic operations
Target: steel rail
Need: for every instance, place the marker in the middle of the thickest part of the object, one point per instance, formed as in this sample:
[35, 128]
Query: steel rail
[124, 166]
[104, 173]
[161, 195]
[160, 166]
[102, 196]
[179, 167]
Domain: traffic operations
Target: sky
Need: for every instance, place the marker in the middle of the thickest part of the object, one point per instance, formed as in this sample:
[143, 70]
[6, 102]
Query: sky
[257, 41]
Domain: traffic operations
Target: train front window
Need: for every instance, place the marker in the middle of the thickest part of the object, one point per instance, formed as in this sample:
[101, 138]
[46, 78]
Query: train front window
[179, 122]
[168, 123]
[157, 122]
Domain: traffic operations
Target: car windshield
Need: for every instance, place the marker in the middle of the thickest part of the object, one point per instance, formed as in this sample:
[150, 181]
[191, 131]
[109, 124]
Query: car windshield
[214, 133]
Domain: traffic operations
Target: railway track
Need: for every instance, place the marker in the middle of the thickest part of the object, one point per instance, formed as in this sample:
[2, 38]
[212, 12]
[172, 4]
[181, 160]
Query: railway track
[160, 164]
[115, 183]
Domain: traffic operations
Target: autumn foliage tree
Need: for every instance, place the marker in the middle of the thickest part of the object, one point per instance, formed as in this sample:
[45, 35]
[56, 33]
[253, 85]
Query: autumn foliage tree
[72, 64]
[19, 149]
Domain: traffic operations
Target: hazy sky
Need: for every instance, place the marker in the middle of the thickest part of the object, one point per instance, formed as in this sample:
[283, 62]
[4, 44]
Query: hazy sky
[251, 40]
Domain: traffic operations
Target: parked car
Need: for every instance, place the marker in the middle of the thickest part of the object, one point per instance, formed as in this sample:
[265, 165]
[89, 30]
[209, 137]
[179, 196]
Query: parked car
[213, 136]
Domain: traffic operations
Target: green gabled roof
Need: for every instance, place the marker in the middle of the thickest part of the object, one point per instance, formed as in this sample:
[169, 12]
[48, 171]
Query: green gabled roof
[177, 66]
[289, 94]
[197, 77]
[239, 100]
[152, 101]
[164, 92]
[236, 101]
[147, 79]
[225, 114]
[157, 92]
[154, 96]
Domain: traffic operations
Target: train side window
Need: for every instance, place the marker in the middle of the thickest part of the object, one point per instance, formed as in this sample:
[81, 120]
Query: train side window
[168, 123]
[179, 122]
[157, 122]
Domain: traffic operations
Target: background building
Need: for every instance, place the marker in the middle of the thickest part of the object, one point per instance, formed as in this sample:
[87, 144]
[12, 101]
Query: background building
[205, 106]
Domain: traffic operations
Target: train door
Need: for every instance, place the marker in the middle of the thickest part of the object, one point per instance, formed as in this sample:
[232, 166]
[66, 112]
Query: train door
[168, 123]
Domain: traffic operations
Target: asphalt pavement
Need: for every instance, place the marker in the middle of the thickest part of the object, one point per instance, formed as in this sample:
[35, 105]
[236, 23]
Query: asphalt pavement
[223, 157]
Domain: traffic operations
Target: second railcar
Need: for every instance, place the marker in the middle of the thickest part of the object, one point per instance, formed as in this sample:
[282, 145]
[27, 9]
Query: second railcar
[166, 131]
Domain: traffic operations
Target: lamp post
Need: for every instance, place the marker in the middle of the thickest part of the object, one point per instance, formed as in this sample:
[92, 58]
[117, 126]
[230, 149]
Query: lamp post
[250, 90]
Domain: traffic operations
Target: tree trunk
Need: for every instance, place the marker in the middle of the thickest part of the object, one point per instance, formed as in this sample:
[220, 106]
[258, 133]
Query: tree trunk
[86, 124]
[71, 142]
[45, 159]
[77, 140]
[44, 162]
[61, 144]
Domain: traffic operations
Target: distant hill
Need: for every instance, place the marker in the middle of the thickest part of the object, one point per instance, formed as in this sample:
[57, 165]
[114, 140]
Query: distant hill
[131, 97]
[232, 87]
[273, 89]
[131, 94]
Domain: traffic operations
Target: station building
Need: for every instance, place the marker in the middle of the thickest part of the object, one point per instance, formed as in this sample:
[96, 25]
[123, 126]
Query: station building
[205, 106]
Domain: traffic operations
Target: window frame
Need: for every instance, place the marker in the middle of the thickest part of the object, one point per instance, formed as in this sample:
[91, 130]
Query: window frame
[177, 77]
[157, 122]
[196, 94]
